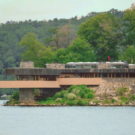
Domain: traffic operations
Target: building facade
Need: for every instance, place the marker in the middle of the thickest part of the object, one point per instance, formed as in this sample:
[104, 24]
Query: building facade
[103, 77]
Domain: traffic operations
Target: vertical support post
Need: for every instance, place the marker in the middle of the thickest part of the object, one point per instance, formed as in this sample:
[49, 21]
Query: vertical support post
[26, 96]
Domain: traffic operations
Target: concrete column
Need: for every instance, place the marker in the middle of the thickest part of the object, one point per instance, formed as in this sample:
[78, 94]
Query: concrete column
[26, 96]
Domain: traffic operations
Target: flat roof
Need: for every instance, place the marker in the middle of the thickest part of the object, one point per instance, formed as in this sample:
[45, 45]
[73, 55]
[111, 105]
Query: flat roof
[50, 84]
[29, 84]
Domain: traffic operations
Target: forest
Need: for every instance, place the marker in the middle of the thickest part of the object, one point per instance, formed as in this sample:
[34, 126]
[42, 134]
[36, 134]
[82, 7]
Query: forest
[93, 37]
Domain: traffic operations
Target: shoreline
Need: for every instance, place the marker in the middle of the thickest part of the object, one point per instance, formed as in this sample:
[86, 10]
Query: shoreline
[35, 105]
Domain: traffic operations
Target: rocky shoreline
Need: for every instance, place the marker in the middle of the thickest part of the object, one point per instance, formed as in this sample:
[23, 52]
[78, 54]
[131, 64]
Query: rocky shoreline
[58, 105]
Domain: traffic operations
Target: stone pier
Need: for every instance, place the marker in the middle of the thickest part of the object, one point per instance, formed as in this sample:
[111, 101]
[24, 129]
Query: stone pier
[26, 96]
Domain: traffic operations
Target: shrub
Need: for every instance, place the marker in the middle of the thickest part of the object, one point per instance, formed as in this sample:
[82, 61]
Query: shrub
[75, 91]
[86, 93]
[82, 102]
[73, 87]
[109, 101]
[61, 94]
[89, 95]
[71, 96]
[15, 96]
[124, 100]
[74, 95]
[113, 100]
[14, 99]
[132, 97]
[58, 99]
[58, 95]
[71, 102]
[121, 91]
[48, 101]
[12, 102]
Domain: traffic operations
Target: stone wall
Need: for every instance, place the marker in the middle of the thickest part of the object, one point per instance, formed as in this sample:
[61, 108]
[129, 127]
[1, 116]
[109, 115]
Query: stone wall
[55, 66]
[109, 86]
[27, 64]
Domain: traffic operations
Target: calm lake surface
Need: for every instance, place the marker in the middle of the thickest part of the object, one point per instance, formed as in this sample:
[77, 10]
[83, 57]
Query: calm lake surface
[67, 120]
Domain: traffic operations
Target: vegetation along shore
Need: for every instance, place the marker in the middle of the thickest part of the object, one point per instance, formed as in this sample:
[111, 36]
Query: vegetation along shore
[81, 96]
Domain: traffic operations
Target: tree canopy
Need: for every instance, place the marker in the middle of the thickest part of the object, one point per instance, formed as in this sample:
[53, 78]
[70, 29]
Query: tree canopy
[35, 51]
[102, 33]
[79, 50]
[128, 55]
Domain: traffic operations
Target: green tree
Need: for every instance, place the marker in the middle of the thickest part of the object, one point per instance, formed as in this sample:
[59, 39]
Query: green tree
[102, 33]
[35, 51]
[128, 55]
[129, 26]
[78, 51]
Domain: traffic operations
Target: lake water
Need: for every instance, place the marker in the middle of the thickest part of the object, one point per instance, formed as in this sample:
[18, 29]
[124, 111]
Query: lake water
[67, 120]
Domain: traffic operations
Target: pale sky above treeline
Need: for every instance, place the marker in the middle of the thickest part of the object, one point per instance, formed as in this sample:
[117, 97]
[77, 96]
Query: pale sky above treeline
[20, 10]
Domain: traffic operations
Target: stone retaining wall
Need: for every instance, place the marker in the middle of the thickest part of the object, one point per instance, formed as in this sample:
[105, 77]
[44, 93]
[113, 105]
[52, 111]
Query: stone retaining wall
[109, 86]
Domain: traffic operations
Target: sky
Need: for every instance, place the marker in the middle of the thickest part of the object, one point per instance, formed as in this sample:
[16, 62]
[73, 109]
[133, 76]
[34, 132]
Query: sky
[20, 10]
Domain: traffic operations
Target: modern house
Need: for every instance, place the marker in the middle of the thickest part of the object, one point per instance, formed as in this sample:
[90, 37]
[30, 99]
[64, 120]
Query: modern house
[104, 77]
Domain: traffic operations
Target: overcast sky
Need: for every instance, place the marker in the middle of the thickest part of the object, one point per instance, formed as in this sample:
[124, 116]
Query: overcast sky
[48, 9]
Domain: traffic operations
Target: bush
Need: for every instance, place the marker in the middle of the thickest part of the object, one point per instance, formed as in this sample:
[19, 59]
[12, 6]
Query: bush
[113, 100]
[71, 96]
[109, 101]
[48, 101]
[61, 94]
[12, 102]
[82, 102]
[132, 97]
[71, 102]
[75, 91]
[121, 91]
[58, 99]
[14, 99]
[86, 93]
[124, 100]
[15, 96]
[74, 95]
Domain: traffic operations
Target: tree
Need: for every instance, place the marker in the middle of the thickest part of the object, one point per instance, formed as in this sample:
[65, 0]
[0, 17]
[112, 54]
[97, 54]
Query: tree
[128, 55]
[63, 36]
[35, 51]
[129, 26]
[102, 32]
[78, 51]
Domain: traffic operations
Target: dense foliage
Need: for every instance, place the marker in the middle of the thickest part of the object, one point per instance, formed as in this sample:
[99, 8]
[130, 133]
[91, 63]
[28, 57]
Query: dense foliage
[102, 32]
[74, 95]
[101, 35]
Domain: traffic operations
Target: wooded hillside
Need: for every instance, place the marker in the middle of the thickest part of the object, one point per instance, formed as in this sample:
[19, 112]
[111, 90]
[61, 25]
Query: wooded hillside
[57, 33]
